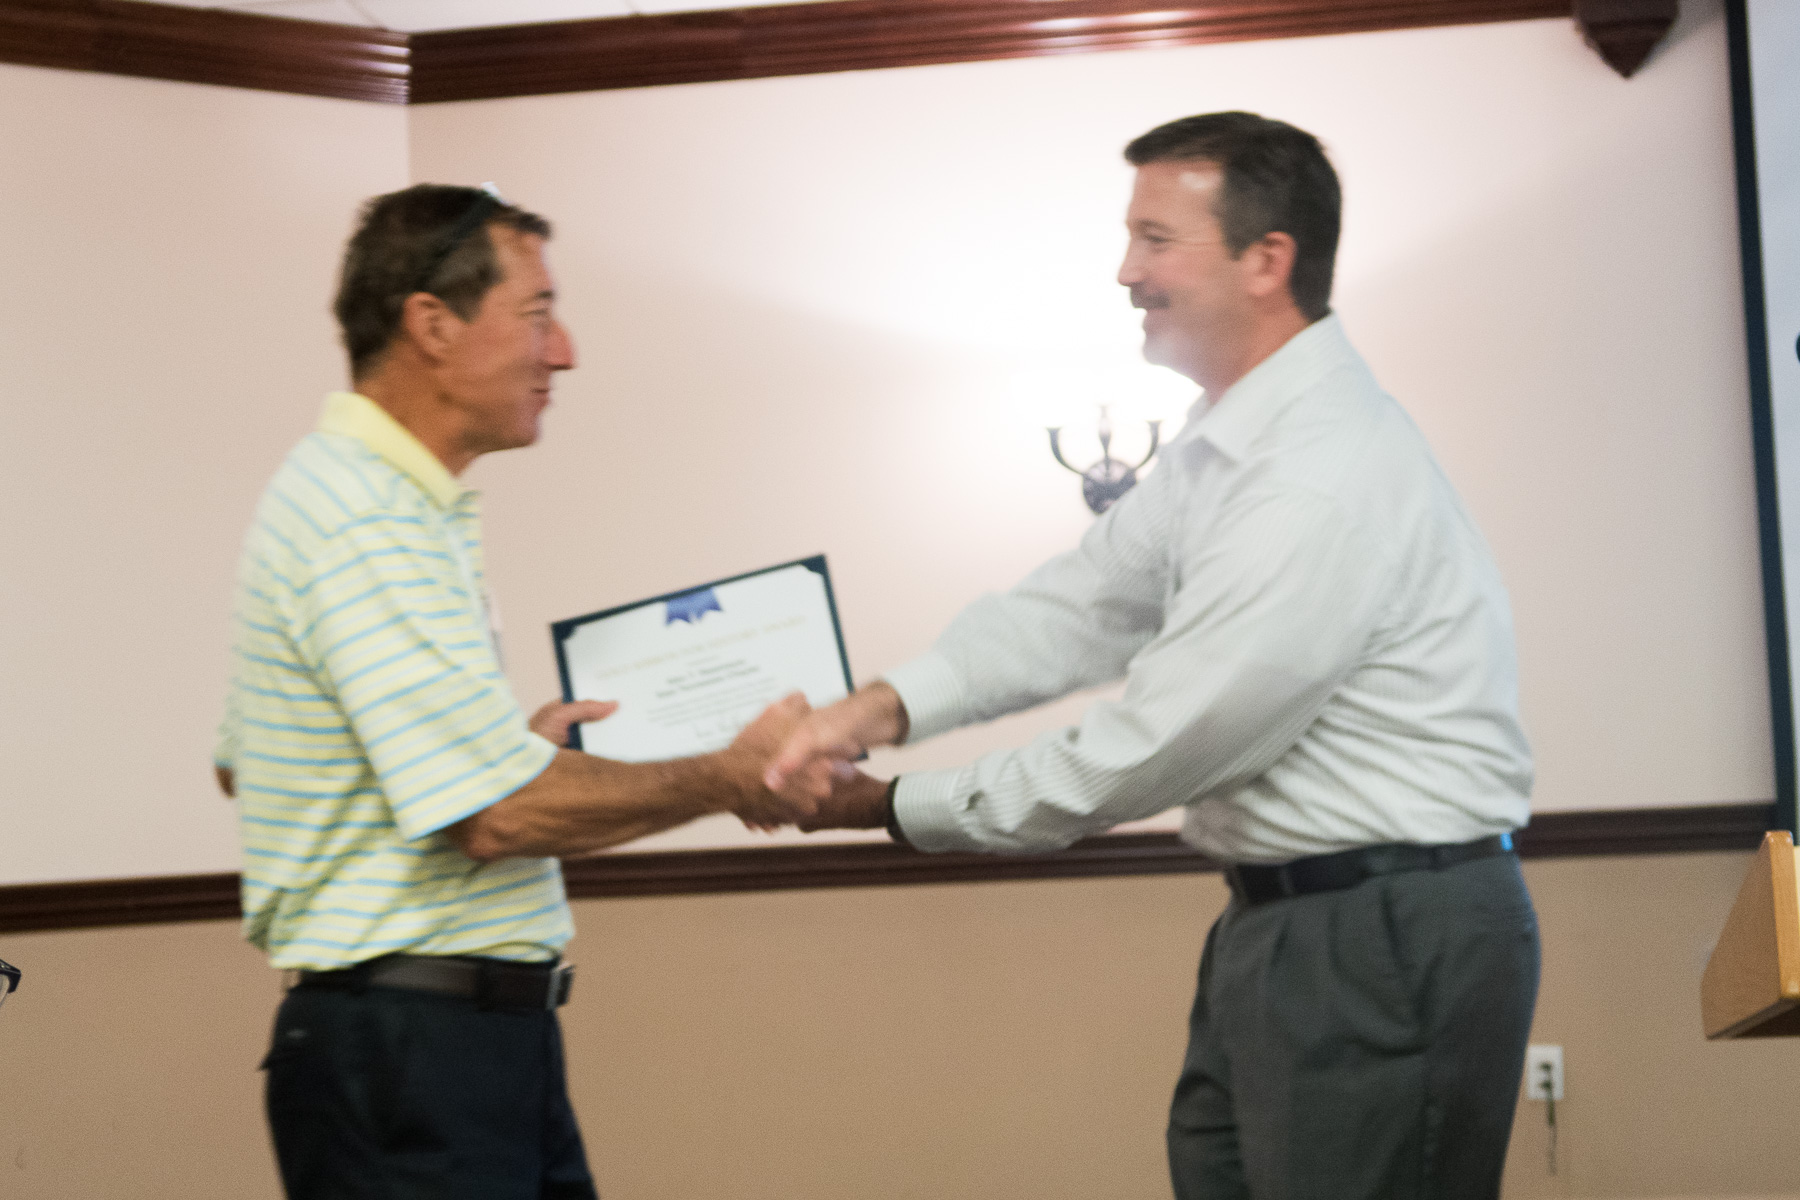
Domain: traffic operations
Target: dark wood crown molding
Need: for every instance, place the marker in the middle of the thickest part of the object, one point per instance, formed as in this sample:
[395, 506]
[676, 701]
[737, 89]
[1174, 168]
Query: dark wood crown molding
[854, 35]
[193, 45]
[109, 902]
[241, 50]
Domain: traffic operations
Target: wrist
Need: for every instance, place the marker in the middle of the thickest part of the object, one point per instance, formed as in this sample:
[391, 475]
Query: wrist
[885, 713]
[712, 783]
[889, 817]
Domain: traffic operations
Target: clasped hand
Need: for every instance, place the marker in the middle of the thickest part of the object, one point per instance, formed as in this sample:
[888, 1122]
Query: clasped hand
[816, 762]
[790, 766]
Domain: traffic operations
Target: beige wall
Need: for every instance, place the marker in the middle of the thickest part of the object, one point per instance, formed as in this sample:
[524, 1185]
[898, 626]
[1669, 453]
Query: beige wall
[802, 305]
[164, 337]
[997, 1041]
[819, 314]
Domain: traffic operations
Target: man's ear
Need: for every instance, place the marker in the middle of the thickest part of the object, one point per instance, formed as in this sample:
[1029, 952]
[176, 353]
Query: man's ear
[1270, 264]
[430, 325]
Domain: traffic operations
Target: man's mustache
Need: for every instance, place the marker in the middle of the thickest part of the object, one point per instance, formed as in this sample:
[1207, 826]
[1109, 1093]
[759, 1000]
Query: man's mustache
[1148, 300]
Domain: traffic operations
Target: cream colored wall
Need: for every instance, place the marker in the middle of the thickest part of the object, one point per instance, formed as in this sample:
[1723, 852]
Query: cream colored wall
[164, 337]
[806, 309]
[976, 1041]
[802, 306]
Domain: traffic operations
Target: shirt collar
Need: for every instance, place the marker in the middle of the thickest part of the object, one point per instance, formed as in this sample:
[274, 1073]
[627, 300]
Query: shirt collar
[357, 416]
[1247, 407]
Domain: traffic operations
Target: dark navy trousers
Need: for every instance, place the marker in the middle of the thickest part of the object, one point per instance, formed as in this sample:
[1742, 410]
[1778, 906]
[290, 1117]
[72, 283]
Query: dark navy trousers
[387, 1094]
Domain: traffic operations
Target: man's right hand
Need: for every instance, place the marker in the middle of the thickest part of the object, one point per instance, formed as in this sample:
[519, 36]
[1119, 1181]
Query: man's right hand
[818, 755]
[746, 760]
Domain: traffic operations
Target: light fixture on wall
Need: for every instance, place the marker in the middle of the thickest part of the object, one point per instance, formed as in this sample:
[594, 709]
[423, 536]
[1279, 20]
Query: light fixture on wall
[1103, 483]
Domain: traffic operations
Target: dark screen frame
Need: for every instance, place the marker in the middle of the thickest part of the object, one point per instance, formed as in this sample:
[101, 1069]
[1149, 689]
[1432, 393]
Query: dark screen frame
[1762, 414]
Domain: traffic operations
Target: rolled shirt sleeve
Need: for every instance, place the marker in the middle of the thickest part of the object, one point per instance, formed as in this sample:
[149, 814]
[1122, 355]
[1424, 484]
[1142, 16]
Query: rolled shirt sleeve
[1225, 664]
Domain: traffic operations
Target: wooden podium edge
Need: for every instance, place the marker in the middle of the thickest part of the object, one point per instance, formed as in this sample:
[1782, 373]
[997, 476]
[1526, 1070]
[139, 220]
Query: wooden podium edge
[1751, 987]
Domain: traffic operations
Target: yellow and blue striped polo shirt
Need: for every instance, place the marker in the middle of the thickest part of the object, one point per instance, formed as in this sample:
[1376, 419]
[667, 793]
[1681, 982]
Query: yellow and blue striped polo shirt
[368, 712]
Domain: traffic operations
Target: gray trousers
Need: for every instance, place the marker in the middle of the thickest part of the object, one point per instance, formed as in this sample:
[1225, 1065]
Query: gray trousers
[1364, 1044]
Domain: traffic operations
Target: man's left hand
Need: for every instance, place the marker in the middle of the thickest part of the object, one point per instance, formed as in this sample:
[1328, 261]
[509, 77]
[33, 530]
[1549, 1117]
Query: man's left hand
[553, 721]
[856, 802]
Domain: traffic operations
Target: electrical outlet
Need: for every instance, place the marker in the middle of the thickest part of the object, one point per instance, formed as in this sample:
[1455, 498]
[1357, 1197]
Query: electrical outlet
[1543, 1072]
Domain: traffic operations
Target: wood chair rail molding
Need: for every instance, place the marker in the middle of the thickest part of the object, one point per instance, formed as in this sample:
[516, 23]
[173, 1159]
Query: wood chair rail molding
[107, 902]
[351, 62]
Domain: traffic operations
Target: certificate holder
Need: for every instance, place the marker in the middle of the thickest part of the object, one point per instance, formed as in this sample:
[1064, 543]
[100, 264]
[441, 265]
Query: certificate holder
[690, 669]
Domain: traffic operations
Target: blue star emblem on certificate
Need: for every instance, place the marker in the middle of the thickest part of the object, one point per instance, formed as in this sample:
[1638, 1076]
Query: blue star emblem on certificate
[691, 606]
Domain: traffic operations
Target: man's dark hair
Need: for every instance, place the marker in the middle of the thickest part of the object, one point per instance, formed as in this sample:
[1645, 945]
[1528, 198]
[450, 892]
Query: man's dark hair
[1276, 180]
[428, 238]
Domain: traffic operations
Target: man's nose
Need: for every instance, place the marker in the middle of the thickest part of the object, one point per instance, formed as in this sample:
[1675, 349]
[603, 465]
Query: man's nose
[562, 349]
[1130, 271]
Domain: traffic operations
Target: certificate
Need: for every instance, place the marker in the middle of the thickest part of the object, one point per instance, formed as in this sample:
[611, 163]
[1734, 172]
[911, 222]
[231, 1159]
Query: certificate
[691, 669]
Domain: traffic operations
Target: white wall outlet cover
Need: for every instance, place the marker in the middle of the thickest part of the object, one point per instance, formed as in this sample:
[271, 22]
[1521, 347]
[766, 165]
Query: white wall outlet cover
[1543, 1072]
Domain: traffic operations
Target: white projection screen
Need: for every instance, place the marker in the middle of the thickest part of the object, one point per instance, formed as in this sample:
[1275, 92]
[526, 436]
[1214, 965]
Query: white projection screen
[1765, 83]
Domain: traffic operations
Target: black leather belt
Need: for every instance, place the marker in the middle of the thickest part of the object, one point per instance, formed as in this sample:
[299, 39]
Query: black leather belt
[491, 982]
[1347, 868]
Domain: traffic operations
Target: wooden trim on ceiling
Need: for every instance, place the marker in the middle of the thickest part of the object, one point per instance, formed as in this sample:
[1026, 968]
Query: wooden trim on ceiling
[237, 49]
[194, 45]
[856, 35]
[109, 902]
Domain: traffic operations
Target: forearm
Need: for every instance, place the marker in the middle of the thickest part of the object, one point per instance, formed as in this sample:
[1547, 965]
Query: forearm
[1188, 725]
[1074, 623]
[581, 803]
[1036, 799]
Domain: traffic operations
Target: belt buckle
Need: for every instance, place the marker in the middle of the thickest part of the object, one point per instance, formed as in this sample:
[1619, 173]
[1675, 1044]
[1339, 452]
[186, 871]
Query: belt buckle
[562, 981]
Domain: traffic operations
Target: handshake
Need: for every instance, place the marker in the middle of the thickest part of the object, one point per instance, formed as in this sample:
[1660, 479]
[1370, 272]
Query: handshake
[793, 765]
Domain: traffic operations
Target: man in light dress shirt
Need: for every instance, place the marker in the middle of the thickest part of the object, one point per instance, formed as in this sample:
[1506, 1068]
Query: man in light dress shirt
[1319, 664]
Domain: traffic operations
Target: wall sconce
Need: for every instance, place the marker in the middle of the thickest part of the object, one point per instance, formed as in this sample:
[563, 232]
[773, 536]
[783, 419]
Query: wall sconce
[1103, 483]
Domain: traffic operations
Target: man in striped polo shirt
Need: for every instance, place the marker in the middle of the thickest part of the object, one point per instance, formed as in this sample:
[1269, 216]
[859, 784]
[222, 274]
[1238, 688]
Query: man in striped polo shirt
[400, 815]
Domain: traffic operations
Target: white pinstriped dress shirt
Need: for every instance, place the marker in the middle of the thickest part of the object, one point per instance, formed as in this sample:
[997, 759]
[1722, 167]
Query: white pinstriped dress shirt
[1317, 648]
